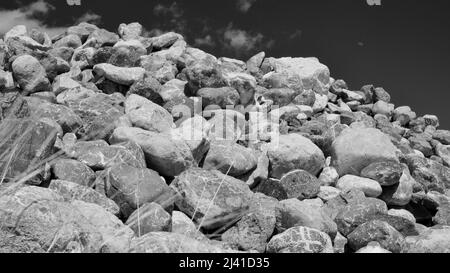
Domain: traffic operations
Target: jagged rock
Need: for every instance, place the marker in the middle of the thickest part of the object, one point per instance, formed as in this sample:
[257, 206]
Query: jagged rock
[73, 171]
[293, 152]
[222, 97]
[401, 193]
[371, 188]
[72, 191]
[328, 176]
[308, 213]
[130, 187]
[6, 81]
[300, 240]
[355, 149]
[296, 73]
[210, 197]
[130, 31]
[147, 115]
[230, 158]
[254, 228]
[385, 173]
[30, 74]
[172, 89]
[163, 153]
[150, 217]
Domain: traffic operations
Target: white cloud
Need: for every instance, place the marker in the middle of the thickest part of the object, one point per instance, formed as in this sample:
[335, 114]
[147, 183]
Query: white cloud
[204, 41]
[244, 5]
[173, 10]
[243, 42]
[32, 17]
[296, 35]
[90, 17]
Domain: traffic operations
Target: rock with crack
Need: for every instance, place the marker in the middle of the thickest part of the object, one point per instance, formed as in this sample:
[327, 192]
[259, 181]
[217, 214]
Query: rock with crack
[73, 171]
[211, 198]
[300, 240]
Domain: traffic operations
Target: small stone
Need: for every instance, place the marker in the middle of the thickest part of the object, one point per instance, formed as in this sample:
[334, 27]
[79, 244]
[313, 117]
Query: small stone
[73, 171]
[327, 193]
[373, 247]
[329, 176]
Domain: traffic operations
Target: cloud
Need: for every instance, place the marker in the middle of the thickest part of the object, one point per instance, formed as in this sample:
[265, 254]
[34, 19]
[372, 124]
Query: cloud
[244, 5]
[242, 42]
[295, 35]
[90, 17]
[171, 18]
[28, 16]
[33, 16]
[205, 41]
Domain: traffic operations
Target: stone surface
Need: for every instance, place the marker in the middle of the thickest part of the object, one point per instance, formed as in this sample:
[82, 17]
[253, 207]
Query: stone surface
[149, 217]
[293, 152]
[30, 74]
[300, 184]
[355, 149]
[300, 240]
[210, 197]
[371, 188]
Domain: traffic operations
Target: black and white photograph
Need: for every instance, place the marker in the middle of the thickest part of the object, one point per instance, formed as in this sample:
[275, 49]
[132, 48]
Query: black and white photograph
[227, 134]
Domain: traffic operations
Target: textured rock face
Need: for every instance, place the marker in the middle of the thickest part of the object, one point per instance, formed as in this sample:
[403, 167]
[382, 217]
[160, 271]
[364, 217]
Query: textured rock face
[355, 149]
[300, 240]
[211, 197]
[128, 142]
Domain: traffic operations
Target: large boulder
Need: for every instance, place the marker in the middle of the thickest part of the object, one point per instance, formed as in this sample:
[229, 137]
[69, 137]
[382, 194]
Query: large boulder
[210, 197]
[355, 149]
[292, 152]
[165, 154]
[131, 187]
[297, 73]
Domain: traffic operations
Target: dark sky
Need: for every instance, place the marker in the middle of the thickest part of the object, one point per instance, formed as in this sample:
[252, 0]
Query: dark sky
[402, 45]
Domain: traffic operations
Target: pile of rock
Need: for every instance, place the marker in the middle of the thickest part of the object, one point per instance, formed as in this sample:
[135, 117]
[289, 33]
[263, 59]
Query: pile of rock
[117, 142]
